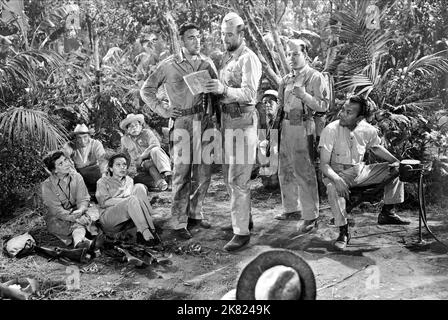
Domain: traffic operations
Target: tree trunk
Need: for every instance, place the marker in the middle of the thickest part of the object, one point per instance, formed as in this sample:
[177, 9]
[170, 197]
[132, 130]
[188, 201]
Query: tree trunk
[174, 34]
[278, 43]
[257, 43]
[96, 57]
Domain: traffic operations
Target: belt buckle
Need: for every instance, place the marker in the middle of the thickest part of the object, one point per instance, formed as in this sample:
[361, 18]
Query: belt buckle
[236, 111]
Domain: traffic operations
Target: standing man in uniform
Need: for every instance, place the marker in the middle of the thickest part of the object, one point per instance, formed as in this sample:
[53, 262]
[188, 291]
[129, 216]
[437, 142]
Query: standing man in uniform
[190, 180]
[239, 77]
[301, 93]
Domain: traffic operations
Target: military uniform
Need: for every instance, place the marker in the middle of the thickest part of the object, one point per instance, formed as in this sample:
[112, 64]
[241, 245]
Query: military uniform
[297, 173]
[241, 73]
[190, 180]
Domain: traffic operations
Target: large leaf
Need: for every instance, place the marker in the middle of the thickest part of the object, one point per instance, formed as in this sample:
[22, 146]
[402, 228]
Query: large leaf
[17, 124]
[430, 65]
[367, 45]
[25, 67]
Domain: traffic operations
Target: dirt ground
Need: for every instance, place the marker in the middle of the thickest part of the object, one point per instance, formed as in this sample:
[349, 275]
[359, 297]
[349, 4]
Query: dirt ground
[378, 264]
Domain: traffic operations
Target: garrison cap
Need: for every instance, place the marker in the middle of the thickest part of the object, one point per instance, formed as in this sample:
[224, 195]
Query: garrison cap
[231, 21]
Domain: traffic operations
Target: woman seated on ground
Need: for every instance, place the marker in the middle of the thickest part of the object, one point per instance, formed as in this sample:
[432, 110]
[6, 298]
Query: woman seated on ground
[66, 197]
[121, 202]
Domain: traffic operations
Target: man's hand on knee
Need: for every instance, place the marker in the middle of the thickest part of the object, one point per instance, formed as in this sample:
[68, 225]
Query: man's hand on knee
[342, 188]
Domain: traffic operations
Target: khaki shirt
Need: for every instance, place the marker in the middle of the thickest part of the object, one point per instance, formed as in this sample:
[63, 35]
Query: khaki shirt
[315, 85]
[108, 187]
[347, 147]
[61, 197]
[135, 146]
[241, 72]
[170, 73]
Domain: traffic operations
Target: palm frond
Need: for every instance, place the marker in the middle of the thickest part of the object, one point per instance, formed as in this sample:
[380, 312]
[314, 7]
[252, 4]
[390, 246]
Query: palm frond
[418, 106]
[18, 124]
[358, 80]
[25, 67]
[430, 65]
[367, 80]
[367, 44]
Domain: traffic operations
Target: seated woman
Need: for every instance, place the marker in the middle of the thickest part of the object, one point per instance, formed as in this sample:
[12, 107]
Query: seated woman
[66, 197]
[121, 202]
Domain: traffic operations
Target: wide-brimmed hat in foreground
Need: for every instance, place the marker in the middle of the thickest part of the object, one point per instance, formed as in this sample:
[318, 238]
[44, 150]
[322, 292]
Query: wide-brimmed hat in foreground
[277, 275]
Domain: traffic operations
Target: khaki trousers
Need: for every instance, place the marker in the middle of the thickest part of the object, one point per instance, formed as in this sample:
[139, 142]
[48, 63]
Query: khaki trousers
[191, 177]
[149, 173]
[136, 208]
[297, 175]
[360, 176]
[240, 147]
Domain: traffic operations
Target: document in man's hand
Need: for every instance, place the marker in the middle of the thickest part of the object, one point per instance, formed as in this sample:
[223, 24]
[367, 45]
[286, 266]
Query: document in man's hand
[196, 81]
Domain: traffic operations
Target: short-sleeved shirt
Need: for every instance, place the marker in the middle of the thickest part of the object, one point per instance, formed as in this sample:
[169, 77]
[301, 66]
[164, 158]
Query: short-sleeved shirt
[348, 147]
[135, 146]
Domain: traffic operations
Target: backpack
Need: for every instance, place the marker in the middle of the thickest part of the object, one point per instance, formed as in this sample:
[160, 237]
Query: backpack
[19, 246]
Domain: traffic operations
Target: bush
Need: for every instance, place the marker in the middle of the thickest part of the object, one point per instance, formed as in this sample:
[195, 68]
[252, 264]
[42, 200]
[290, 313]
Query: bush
[22, 172]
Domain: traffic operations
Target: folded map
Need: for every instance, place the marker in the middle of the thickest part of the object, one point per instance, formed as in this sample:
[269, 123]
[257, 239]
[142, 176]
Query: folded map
[196, 81]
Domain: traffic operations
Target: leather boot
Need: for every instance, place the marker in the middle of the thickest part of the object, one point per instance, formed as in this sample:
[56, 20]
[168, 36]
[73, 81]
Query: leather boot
[388, 216]
[237, 242]
[307, 226]
[183, 233]
[198, 222]
[343, 239]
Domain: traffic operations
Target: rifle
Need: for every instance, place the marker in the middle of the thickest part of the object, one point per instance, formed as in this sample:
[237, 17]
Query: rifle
[78, 255]
[129, 258]
[146, 254]
[276, 125]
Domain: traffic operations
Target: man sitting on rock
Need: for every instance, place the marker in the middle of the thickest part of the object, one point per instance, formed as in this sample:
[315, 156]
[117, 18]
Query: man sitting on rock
[343, 144]
[151, 161]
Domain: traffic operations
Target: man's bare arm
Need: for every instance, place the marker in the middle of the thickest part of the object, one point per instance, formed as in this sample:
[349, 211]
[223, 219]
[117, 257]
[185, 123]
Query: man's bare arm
[341, 186]
[384, 154]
